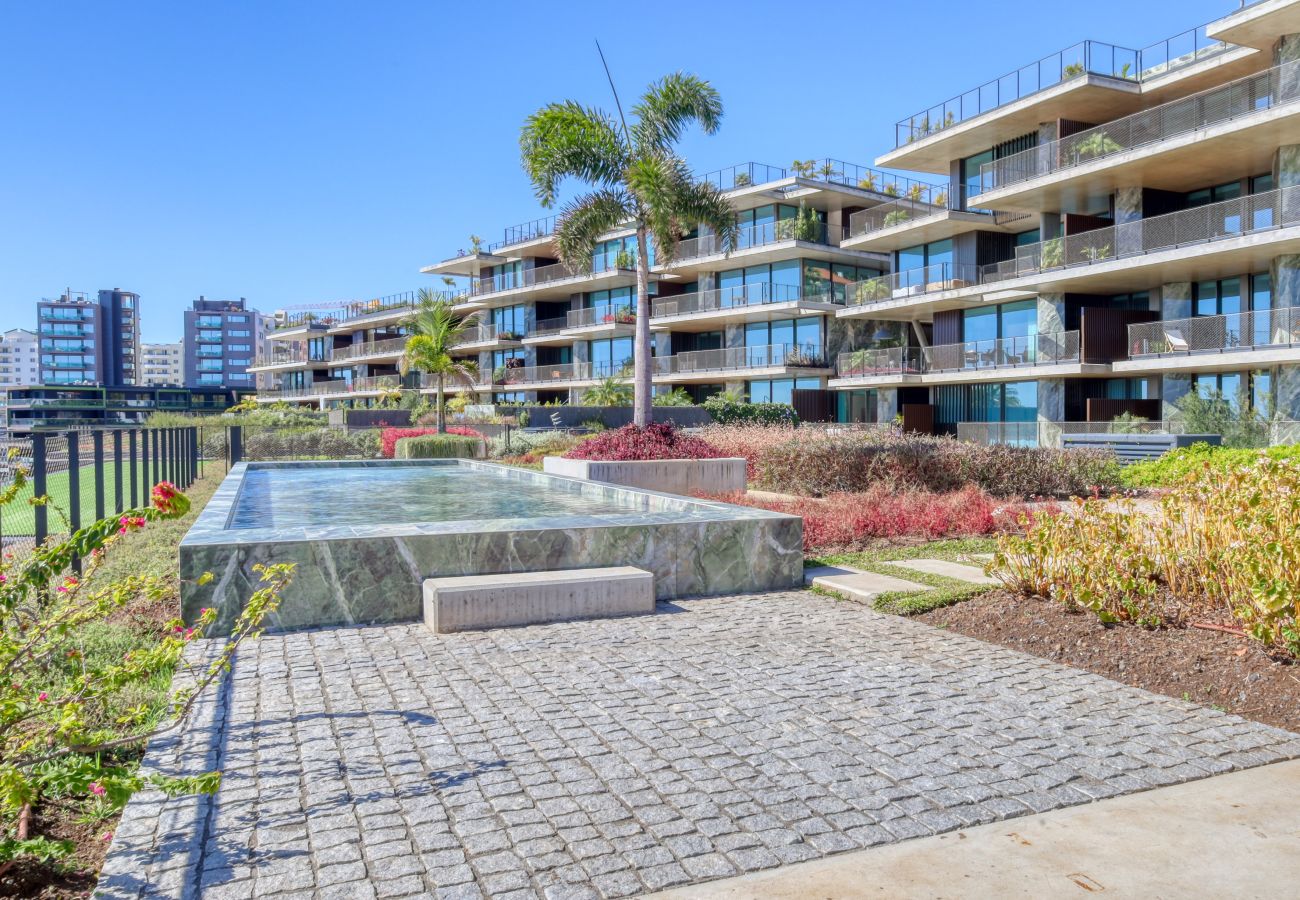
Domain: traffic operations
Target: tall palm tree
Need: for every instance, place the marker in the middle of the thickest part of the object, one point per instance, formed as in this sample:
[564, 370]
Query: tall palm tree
[636, 177]
[435, 328]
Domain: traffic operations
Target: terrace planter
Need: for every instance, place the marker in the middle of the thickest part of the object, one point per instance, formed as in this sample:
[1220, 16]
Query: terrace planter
[669, 476]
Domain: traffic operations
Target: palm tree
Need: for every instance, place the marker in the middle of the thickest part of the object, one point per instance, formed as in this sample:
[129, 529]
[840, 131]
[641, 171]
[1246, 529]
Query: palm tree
[636, 177]
[435, 328]
[609, 391]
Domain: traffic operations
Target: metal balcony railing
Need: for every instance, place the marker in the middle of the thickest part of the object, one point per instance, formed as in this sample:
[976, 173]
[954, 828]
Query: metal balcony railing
[282, 354]
[528, 231]
[1003, 353]
[545, 275]
[879, 361]
[1084, 58]
[1261, 329]
[911, 282]
[760, 235]
[344, 386]
[600, 315]
[486, 333]
[764, 356]
[918, 205]
[1185, 116]
[560, 372]
[737, 297]
[386, 347]
[549, 326]
[1253, 214]
[743, 175]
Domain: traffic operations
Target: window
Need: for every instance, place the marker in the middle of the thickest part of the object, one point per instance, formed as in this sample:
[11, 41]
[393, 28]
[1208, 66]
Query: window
[509, 320]
[237, 320]
[804, 332]
[503, 277]
[1218, 298]
[607, 305]
[239, 333]
[774, 283]
[970, 172]
[1127, 389]
[779, 390]
[316, 350]
[1261, 301]
[210, 336]
[925, 263]
[499, 357]
[856, 406]
[237, 348]
[206, 378]
[609, 356]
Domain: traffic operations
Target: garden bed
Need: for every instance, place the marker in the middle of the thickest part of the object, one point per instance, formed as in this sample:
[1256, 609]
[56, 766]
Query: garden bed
[1211, 668]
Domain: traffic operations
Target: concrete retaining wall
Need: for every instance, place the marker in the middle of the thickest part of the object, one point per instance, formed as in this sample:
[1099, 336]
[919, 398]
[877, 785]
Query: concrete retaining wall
[670, 476]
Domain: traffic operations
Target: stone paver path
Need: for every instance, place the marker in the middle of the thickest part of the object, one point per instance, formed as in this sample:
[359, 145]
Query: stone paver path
[716, 737]
[946, 568]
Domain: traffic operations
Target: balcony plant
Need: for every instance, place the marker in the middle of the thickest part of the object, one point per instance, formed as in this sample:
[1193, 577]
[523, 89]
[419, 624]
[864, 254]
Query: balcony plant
[624, 315]
[915, 192]
[1093, 254]
[940, 199]
[805, 358]
[637, 176]
[828, 171]
[624, 259]
[896, 217]
[891, 189]
[803, 168]
[1053, 253]
[872, 290]
[1096, 145]
[868, 182]
[435, 328]
[1073, 70]
[475, 244]
[742, 179]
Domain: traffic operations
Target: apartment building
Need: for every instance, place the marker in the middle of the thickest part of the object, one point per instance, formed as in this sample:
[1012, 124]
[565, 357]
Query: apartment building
[18, 358]
[163, 364]
[49, 406]
[221, 340]
[90, 341]
[1118, 229]
[1099, 232]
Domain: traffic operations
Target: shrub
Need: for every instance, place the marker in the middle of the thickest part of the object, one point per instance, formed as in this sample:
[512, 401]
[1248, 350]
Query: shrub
[72, 726]
[1223, 544]
[658, 440]
[814, 462]
[849, 521]
[1176, 465]
[389, 437]
[310, 443]
[540, 443]
[438, 446]
[729, 411]
[675, 397]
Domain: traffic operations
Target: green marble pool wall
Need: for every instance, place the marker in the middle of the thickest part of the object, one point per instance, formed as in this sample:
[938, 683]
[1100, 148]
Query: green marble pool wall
[373, 574]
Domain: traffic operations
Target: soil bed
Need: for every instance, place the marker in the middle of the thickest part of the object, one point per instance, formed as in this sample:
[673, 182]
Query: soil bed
[1206, 667]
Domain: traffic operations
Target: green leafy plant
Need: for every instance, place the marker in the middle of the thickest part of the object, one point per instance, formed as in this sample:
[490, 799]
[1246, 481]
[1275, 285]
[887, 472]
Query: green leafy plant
[624, 259]
[804, 168]
[1212, 413]
[1053, 253]
[868, 182]
[726, 409]
[1073, 70]
[742, 179]
[896, 217]
[674, 397]
[612, 390]
[871, 290]
[438, 446]
[637, 177]
[1095, 145]
[435, 329]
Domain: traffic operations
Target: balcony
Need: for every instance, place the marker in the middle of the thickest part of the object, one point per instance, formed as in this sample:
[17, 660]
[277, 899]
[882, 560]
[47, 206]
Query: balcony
[1210, 342]
[285, 356]
[486, 336]
[1084, 81]
[609, 269]
[756, 236]
[752, 301]
[556, 375]
[776, 359]
[968, 360]
[342, 386]
[526, 232]
[601, 319]
[1193, 126]
[1258, 23]
[390, 347]
[1189, 229]
[900, 286]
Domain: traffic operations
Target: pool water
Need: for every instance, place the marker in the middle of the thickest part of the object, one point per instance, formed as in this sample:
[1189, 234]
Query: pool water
[284, 497]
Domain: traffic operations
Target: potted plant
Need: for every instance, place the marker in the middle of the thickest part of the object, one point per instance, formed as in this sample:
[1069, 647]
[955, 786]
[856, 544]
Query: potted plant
[1052, 253]
[624, 316]
[1096, 145]
[1073, 70]
[624, 259]
[475, 244]
[868, 182]
[803, 168]
[896, 217]
[742, 179]
[892, 189]
[872, 290]
[805, 358]
[914, 192]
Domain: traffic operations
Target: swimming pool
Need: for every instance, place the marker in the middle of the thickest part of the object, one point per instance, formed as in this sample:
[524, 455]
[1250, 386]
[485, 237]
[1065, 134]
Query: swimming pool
[365, 534]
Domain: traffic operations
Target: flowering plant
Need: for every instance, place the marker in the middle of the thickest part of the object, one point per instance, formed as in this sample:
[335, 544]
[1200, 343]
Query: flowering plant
[70, 721]
[658, 440]
[389, 437]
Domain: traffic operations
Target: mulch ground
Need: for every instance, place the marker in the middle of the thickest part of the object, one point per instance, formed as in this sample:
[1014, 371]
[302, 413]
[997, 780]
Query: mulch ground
[1206, 667]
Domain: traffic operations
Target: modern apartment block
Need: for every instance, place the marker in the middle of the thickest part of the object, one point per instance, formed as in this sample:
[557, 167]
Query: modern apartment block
[1099, 232]
[19, 363]
[90, 341]
[221, 338]
[163, 364]
[50, 406]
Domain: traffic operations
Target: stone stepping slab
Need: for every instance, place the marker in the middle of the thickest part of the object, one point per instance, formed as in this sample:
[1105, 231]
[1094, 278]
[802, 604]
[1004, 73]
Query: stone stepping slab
[857, 584]
[959, 571]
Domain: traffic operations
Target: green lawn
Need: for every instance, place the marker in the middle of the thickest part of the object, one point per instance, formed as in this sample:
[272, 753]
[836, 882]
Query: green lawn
[943, 591]
[19, 516]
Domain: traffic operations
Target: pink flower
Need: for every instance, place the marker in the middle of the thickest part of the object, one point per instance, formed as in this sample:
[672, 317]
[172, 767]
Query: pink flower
[108, 836]
[42, 697]
[3, 578]
[97, 789]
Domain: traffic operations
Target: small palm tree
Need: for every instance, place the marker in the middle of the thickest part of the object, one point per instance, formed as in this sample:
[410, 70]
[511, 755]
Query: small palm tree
[609, 391]
[637, 178]
[435, 328]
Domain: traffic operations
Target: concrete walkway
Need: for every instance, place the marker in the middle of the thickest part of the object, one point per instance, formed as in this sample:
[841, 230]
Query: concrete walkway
[946, 569]
[1232, 836]
[856, 584]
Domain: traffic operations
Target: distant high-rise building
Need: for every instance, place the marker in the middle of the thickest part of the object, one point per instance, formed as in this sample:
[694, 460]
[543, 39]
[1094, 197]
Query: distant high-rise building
[85, 341]
[163, 364]
[18, 358]
[222, 338]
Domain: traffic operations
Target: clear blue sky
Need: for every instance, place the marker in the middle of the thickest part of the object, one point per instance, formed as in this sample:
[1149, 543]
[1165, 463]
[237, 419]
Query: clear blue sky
[291, 152]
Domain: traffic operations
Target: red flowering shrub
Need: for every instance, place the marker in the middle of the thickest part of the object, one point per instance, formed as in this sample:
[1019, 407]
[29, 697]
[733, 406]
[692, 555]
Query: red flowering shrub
[389, 437]
[846, 521]
[659, 440]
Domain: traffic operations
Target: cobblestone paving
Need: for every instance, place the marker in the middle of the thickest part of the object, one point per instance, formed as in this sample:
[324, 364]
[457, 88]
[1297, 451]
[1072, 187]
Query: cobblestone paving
[608, 758]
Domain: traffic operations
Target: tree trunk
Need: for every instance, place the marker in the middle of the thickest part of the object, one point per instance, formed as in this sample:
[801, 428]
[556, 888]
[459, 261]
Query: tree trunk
[642, 387]
[442, 409]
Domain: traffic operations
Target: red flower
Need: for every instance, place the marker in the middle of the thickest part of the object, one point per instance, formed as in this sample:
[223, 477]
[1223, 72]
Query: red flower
[164, 492]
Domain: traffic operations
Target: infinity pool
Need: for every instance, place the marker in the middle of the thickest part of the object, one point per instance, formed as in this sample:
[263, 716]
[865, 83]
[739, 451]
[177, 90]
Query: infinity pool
[364, 535]
[371, 495]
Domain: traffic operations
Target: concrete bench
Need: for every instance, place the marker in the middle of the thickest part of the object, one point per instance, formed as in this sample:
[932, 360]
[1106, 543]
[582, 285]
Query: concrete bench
[475, 602]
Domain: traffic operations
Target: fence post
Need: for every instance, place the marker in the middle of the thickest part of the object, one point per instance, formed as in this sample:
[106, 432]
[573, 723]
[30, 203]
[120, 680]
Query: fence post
[235, 444]
[39, 471]
[97, 451]
[194, 454]
[118, 499]
[74, 490]
[169, 455]
[155, 438]
[133, 450]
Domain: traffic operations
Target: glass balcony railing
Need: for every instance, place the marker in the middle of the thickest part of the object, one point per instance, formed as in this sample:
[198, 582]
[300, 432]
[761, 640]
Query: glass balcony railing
[600, 315]
[528, 231]
[1084, 58]
[917, 206]
[751, 236]
[552, 374]
[387, 347]
[346, 386]
[737, 297]
[541, 275]
[1001, 353]
[879, 362]
[549, 326]
[743, 175]
[1185, 116]
[1257, 330]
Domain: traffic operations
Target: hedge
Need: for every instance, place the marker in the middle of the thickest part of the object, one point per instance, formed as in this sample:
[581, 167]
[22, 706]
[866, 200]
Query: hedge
[439, 446]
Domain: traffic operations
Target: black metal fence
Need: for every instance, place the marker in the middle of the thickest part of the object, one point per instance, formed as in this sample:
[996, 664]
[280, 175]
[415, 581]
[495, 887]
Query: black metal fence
[88, 474]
